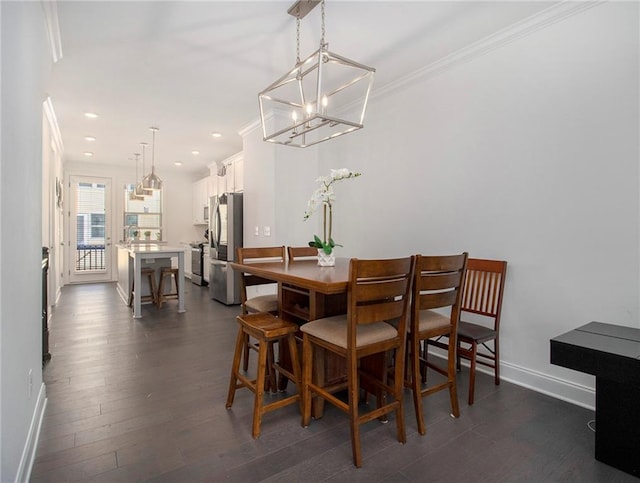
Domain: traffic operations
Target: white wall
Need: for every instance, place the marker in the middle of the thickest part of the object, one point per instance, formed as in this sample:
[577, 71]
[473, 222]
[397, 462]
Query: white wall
[177, 202]
[527, 153]
[25, 67]
[259, 190]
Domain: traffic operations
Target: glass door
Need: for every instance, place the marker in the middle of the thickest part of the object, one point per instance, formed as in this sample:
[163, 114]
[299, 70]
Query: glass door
[90, 229]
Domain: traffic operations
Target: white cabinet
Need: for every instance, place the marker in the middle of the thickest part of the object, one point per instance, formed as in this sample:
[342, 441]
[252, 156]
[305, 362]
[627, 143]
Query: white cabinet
[230, 178]
[233, 179]
[221, 182]
[238, 175]
[212, 186]
[200, 198]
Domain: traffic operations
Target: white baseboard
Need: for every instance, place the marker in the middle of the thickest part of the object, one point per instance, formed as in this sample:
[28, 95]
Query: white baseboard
[124, 296]
[564, 390]
[23, 474]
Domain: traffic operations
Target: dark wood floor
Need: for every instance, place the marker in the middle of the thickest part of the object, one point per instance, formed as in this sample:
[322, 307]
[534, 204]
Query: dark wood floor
[143, 400]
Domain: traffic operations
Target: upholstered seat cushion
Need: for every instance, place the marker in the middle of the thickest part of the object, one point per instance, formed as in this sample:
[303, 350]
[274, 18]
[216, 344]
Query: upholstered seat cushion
[431, 320]
[334, 330]
[263, 303]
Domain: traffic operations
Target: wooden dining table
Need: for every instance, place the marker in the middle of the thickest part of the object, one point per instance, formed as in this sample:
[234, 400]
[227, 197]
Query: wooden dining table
[308, 292]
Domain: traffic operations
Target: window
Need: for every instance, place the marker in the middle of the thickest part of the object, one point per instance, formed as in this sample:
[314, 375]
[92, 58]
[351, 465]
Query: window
[97, 225]
[90, 227]
[142, 215]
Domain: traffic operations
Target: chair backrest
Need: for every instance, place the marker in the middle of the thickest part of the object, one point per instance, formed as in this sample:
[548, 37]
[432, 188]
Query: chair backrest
[301, 252]
[379, 290]
[483, 288]
[438, 283]
[257, 254]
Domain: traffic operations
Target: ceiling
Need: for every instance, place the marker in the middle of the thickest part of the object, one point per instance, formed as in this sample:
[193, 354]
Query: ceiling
[192, 68]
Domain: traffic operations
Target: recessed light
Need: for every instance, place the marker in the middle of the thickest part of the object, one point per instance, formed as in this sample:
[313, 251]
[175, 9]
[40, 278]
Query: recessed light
[178, 163]
[88, 153]
[90, 115]
[216, 134]
[89, 138]
[195, 153]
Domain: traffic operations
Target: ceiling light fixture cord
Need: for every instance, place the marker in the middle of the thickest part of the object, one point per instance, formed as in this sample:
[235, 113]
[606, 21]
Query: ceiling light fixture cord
[153, 149]
[144, 145]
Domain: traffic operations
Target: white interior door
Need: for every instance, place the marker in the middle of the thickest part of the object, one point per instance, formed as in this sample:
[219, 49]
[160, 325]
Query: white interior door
[90, 248]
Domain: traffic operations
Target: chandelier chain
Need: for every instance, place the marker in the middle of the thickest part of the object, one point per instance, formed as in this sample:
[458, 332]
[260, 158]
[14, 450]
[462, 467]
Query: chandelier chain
[322, 42]
[297, 39]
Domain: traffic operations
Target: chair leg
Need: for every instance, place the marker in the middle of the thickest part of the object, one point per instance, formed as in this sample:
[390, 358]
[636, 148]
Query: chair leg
[398, 389]
[295, 363]
[472, 372]
[160, 297]
[354, 423]
[175, 278]
[233, 382]
[270, 381]
[496, 361]
[245, 360]
[381, 395]
[451, 370]
[258, 403]
[414, 352]
[424, 352]
[458, 358]
[307, 357]
[152, 288]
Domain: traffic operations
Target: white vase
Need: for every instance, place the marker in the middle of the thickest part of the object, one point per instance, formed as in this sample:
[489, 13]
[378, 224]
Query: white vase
[325, 260]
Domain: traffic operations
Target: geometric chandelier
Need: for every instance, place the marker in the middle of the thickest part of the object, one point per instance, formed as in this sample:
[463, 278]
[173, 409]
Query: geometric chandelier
[322, 97]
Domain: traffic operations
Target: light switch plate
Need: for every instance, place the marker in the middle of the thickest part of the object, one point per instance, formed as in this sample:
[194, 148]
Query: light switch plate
[267, 231]
[257, 231]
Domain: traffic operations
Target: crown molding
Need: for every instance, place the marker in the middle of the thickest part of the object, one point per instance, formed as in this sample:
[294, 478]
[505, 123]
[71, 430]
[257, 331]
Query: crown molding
[252, 126]
[50, 8]
[50, 113]
[515, 31]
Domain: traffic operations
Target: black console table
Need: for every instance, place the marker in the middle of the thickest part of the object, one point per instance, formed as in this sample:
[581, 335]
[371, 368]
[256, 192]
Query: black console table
[46, 355]
[612, 354]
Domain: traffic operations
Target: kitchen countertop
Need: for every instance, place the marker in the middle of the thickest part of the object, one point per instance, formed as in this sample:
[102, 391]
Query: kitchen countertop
[149, 248]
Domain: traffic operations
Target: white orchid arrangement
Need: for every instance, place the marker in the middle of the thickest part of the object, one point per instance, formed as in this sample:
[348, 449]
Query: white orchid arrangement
[325, 196]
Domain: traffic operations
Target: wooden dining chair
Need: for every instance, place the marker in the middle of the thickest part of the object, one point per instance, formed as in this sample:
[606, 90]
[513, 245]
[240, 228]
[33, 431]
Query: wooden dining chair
[295, 253]
[378, 291]
[259, 303]
[437, 285]
[482, 301]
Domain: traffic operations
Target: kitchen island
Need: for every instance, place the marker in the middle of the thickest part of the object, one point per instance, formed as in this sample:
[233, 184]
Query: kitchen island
[133, 258]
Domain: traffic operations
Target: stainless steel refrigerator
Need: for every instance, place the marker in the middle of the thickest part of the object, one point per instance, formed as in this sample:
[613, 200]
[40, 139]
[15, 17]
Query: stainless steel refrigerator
[225, 235]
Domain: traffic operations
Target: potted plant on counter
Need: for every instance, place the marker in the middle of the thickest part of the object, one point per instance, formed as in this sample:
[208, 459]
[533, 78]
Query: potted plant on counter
[147, 235]
[325, 196]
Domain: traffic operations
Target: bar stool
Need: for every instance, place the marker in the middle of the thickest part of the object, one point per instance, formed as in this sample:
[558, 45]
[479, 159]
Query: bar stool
[266, 329]
[164, 272]
[151, 275]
